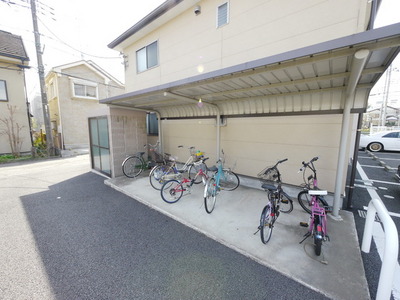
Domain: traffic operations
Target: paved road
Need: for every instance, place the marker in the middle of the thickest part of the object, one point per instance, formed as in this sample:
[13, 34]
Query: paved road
[66, 235]
[374, 176]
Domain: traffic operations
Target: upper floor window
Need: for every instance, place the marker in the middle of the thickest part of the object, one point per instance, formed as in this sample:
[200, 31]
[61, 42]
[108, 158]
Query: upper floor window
[3, 91]
[147, 57]
[222, 14]
[82, 89]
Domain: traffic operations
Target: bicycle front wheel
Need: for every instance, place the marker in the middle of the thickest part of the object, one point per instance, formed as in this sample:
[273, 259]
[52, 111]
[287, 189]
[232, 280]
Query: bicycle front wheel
[286, 204]
[305, 201]
[171, 191]
[156, 175]
[210, 195]
[132, 166]
[229, 181]
[193, 170]
[266, 223]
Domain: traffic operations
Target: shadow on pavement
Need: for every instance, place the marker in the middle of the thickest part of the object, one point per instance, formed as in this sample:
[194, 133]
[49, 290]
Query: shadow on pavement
[97, 243]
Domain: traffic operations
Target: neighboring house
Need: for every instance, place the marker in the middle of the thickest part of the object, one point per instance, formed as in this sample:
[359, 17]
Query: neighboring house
[373, 117]
[262, 80]
[13, 61]
[73, 92]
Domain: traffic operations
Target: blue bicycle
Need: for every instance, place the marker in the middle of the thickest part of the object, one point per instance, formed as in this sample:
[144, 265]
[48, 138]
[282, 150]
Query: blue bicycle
[223, 179]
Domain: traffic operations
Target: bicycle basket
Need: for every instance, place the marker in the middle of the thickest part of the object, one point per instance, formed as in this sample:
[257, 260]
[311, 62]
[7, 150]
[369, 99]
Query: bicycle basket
[168, 157]
[156, 157]
[268, 174]
[198, 155]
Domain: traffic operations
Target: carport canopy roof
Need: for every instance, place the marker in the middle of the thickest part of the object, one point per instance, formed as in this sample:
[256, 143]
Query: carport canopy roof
[308, 80]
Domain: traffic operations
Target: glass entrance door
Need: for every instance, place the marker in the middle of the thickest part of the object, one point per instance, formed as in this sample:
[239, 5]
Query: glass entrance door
[100, 146]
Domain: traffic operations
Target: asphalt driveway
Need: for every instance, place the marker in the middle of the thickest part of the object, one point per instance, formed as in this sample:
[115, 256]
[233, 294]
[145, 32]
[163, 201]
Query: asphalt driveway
[66, 235]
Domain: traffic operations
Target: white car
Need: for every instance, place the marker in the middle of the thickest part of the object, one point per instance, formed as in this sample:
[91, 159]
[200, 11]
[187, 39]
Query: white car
[385, 140]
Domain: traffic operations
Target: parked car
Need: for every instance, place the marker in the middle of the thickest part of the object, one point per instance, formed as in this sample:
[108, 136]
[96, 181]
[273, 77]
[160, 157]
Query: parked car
[385, 140]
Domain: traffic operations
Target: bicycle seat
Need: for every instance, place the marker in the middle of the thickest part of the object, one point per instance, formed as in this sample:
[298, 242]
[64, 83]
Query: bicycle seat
[213, 169]
[270, 187]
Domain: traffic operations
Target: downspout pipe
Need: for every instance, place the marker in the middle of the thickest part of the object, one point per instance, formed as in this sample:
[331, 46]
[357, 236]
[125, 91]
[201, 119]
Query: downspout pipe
[359, 60]
[349, 204]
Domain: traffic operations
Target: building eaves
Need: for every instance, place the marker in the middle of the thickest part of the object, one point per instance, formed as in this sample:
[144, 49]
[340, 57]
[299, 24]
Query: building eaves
[88, 63]
[308, 51]
[155, 14]
[12, 46]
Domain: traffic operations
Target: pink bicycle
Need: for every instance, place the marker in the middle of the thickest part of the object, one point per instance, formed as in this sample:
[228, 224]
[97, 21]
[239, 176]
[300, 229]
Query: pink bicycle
[172, 190]
[312, 198]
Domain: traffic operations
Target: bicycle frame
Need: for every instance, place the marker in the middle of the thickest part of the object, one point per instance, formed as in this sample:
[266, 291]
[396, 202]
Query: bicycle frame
[276, 197]
[172, 190]
[318, 222]
[317, 210]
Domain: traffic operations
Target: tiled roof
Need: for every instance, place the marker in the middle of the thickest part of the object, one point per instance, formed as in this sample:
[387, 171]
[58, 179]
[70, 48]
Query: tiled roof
[11, 45]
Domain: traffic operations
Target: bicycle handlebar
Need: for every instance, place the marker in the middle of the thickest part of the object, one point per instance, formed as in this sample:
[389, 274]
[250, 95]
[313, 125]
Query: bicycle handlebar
[279, 162]
[305, 165]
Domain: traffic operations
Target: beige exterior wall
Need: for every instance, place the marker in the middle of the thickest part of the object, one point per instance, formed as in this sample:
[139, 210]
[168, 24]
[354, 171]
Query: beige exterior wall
[16, 97]
[69, 113]
[127, 131]
[251, 144]
[190, 44]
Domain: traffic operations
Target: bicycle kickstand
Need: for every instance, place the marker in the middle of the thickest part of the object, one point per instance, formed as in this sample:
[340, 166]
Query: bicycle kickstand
[308, 234]
[258, 229]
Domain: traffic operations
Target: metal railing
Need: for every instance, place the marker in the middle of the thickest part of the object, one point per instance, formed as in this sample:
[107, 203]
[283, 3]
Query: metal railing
[376, 129]
[391, 251]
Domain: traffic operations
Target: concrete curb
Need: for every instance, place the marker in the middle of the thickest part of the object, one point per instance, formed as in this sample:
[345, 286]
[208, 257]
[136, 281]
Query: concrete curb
[382, 163]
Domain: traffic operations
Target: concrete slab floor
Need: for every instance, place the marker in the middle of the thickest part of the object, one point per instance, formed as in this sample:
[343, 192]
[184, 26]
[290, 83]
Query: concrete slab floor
[338, 273]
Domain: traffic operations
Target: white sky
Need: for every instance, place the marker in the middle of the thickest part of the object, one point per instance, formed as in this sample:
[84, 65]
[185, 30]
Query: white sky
[89, 26]
[80, 25]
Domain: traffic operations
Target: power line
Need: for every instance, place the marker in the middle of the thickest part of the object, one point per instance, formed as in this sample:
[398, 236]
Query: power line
[73, 48]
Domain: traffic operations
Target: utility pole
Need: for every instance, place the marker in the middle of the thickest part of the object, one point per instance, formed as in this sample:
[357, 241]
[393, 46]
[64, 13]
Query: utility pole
[45, 105]
[386, 96]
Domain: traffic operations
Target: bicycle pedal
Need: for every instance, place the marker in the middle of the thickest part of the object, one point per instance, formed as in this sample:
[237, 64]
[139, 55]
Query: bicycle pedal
[285, 201]
[303, 224]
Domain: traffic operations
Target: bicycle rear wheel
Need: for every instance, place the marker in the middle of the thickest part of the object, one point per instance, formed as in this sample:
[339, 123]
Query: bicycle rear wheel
[171, 191]
[132, 166]
[286, 204]
[210, 195]
[229, 181]
[305, 201]
[266, 223]
[156, 175]
[317, 235]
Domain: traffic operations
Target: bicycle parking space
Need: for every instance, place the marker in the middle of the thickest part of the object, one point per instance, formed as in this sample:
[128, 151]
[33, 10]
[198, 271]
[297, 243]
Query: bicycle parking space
[338, 272]
[376, 181]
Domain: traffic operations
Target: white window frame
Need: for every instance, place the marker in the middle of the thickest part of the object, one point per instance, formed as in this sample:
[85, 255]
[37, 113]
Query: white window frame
[4, 92]
[85, 84]
[145, 56]
[227, 14]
